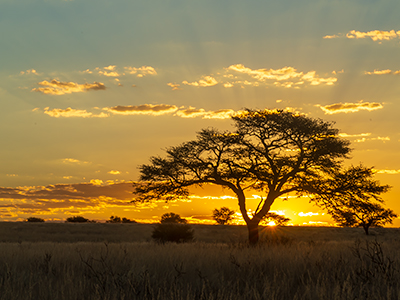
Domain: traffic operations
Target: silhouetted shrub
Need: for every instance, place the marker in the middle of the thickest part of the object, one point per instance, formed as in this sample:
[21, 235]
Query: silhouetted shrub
[223, 216]
[125, 220]
[115, 219]
[77, 219]
[172, 228]
[172, 218]
[34, 220]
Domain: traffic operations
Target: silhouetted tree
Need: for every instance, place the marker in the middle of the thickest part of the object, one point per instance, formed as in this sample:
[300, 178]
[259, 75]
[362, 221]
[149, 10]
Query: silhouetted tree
[172, 218]
[125, 220]
[172, 228]
[34, 219]
[278, 219]
[77, 219]
[357, 201]
[273, 152]
[114, 219]
[223, 216]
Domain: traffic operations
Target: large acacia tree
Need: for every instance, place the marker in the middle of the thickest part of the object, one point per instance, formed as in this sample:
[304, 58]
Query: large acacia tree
[274, 152]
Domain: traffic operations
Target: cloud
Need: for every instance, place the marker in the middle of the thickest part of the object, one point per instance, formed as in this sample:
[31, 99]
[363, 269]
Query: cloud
[55, 87]
[30, 71]
[350, 107]
[175, 86]
[144, 109]
[114, 172]
[379, 138]
[70, 112]
[391, 172]
[345, 135]
[61, 197]
[204, 82]
[141, 71]
[375, 35]
[192, 112]
[73, 161]
[382, 72]
[287, 77]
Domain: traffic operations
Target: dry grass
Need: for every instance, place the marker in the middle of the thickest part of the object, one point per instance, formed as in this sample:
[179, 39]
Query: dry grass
[118, 261]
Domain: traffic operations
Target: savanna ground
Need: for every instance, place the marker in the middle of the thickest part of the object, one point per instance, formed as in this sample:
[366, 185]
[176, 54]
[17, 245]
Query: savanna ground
[119, 261]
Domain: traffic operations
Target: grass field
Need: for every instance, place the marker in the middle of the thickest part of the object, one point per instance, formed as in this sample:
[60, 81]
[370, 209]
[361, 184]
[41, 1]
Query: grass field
[119, 261]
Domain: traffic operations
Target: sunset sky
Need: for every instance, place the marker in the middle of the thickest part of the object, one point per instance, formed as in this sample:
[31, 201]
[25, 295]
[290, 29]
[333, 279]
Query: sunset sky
[89, 90]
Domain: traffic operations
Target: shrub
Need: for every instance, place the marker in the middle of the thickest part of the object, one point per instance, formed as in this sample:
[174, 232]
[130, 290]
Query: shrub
[223, 216]
[172, 228]
[115, 219]
[34, 219]
[125, 220]
[77, 219]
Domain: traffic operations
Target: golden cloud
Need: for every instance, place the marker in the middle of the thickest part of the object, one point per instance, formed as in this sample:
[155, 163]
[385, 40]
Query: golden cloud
[379, 72]
[391, 172]
[284, 77]
[350, 107]
[192, 112]
[143, 71]
[204, 82]
[375, 35]
[70, 112]
[345, 135]
[56, 87]
[144, 109]
[174, 86]
[114, 172]
[30, 71]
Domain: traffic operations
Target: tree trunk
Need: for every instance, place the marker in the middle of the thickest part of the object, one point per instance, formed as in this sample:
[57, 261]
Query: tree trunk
[252, 227]
[366, 229]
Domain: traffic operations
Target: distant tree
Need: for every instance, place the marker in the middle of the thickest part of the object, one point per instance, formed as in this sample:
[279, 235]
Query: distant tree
[34, 219]
[77, 219]
[172, 228]
[363, 215]
[172, 218]
[114, 219]
[274, 152]
[223, 216]
[125, 220]
[353, 199]
[278, 219]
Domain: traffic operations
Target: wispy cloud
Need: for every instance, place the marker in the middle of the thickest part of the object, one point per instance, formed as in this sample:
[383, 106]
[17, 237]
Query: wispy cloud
[175, 86]
[205, 81]
[70, 112]
[391, 172]
[114, 172]
[375, 35]
[141, 71]
[30, 71]
[192, 112]
[55, 87]
[73, 161]
[382, 72]
[144, 109]
[350, 107]
[287, 77]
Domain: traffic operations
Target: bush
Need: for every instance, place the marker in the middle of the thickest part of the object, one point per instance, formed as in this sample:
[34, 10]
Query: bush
[170, 232]
[34, 219]
[77, 219]
[172, 228]
[223, 216]
[115, 219]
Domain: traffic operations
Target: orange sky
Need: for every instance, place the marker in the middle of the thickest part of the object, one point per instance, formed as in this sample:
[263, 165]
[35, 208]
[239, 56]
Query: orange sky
[89, 90]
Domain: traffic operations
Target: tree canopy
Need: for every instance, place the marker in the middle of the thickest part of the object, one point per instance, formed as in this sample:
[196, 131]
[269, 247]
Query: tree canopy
[274, 152]
[223, 216]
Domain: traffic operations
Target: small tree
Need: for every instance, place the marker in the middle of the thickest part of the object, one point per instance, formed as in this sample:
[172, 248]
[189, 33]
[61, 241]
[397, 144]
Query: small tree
[77, 219]
[364, 214]
[278, 219]
[34, 220]
[172, 228]
[352, 198]
[125, 220]
[172, 218]
[114, 219]
[223, 216]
